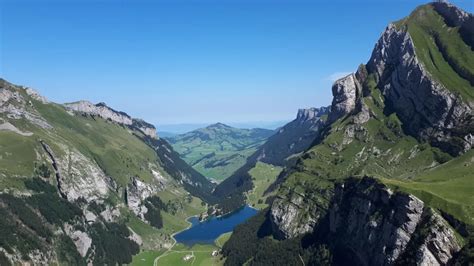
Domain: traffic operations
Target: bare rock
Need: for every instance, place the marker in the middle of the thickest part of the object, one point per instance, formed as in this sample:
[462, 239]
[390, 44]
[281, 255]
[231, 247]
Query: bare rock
[101, 110]
[345, 93]
[377, 225]
[427, 109]
[81, 240]
[137, 191]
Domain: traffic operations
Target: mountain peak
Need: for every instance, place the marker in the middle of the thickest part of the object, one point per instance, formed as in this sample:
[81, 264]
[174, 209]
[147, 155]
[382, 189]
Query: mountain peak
[311, 113]
[218, 125]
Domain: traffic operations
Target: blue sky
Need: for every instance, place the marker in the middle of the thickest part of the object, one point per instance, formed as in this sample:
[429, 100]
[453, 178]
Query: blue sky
[192, 61]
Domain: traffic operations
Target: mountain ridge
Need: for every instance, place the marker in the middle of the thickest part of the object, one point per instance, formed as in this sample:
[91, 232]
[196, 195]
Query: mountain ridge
[397, 122]
[93, 176]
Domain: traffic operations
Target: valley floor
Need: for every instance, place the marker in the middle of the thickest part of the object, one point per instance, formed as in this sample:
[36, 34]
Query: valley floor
[176, 253]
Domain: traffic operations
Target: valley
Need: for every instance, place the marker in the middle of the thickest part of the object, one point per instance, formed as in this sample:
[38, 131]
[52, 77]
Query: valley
[218, 150]
[383, 175]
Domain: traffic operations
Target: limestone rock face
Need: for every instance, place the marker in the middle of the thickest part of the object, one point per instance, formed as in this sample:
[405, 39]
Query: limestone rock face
[104, 111]
[137, 191]
[311, 113]
[376, 225]
[454, 16]
[35, 95]
[345, 93]
[370, 223]
[146, 128]
[286, 220]
[428, 110]
[440, 244]
[81, 240]
[77, 176]
[294, 137]
[101, 110]
[17, 106]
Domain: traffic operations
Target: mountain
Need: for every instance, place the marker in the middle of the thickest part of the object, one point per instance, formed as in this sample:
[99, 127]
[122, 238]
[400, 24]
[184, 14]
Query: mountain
[388, 179]
[83, 183]
[216, 151]
[279, 150]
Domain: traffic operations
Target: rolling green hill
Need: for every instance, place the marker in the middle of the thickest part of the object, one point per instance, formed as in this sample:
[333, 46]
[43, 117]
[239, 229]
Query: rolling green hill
[218, 150]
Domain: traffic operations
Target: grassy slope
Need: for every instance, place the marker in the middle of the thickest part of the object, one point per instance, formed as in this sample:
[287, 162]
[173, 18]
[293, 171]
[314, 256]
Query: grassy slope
[218, 150]
[263, 175]
[146, 258]
[447, 187]
[115, 149]
[119, 153]
[441, 50]
[17, 154]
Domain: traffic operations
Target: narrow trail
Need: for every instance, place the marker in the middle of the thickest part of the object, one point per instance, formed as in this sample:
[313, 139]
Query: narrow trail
[302, 261]
[155, 262]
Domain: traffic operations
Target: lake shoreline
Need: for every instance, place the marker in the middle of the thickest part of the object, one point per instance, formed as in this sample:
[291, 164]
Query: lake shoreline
[206, 232]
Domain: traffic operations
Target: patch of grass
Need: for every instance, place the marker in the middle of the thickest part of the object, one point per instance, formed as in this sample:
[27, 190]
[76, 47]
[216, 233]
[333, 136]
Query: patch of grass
[146, 258]
[447, 187]
[222, 239]
[202, 255]
[17, 154]
[263, 175]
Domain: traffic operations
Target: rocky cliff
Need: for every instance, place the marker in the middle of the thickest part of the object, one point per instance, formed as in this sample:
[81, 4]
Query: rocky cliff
[426, 107]
[432, 106]
[104, 111]
[375, 226]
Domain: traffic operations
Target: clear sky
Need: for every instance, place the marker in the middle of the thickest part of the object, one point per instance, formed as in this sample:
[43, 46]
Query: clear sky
[192, 61]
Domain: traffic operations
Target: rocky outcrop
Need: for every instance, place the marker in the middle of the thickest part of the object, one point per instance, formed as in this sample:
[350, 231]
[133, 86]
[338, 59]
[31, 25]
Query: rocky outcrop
[311, 113]
[147, 128]
[105, 112]
[285, 217]
[35, 95]
[101, 110]
[9, 127]
[427, 109]
[345, 92]
[137, 191]
[81, 239]
[17, 106]
[439, 244]
[453, 16]
[368, 224]
[376, 226]
[77, 176]
[293, 137]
